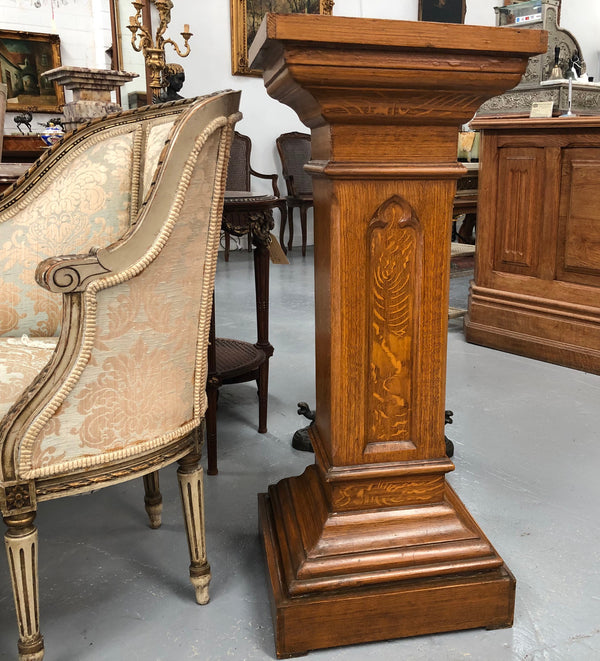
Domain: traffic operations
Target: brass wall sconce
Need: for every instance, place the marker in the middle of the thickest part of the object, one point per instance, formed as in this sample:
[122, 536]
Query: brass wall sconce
[154, 49]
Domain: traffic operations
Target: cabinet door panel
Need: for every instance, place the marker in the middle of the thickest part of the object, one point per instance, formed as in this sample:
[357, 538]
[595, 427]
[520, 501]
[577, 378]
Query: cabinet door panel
[519, 210]
[578, 257]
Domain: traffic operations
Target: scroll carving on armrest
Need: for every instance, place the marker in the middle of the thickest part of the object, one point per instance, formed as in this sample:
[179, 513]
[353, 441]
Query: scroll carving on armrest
[69, 273]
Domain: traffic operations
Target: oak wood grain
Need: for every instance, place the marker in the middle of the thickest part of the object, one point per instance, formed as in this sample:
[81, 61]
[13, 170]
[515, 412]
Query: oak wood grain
[373, 527]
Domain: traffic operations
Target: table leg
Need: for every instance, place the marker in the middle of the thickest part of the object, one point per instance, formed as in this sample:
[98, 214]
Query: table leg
[261, 239]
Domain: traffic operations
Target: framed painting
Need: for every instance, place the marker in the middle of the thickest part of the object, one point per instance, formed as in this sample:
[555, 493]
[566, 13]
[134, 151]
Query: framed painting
[246, 17]
[24, 56]
[442, 11]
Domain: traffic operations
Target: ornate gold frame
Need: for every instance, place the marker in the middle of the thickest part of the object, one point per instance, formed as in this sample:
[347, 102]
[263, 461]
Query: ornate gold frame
[239, 35]
[44, 52]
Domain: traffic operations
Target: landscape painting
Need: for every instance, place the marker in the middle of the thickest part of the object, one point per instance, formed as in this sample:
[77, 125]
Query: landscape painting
[24, 57]
[246, 17]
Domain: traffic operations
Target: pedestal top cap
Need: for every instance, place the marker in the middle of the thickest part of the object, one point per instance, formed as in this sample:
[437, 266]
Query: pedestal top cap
[336, 69]
[383, 34]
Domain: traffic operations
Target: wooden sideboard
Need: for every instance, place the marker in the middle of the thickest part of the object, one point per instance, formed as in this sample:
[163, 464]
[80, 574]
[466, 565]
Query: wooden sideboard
[22, 148]
[536, 290]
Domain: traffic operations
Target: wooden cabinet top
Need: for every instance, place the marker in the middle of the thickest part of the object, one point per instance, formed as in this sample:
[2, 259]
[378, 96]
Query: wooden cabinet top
[529, 124]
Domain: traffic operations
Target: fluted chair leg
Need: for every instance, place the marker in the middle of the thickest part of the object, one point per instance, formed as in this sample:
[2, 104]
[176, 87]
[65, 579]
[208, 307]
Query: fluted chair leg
[153, 499]
[190, 476]
[22, 549]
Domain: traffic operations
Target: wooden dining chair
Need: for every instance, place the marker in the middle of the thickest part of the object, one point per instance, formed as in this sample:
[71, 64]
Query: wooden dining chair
[239, 179]
[294, 153]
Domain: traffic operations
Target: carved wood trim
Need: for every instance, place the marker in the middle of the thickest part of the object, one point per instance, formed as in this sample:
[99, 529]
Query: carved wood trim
[520, 171]
[95, 478]
[578, 259]
[395, 254]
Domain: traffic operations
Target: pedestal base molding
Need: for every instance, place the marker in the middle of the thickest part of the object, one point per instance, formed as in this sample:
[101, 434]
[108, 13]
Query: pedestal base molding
[435, 593]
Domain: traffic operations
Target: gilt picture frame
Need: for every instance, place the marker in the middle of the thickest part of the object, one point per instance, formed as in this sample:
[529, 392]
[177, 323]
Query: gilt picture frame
[442, 11]
[246, 17]
[24, 56]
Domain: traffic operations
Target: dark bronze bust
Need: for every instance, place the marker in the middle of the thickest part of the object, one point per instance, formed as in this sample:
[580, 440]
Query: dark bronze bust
[174, 77]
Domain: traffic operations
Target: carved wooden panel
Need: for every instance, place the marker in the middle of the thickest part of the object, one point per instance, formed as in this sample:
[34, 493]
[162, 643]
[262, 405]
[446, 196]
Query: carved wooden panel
[520, 189]
[395, 246]
[579, 220]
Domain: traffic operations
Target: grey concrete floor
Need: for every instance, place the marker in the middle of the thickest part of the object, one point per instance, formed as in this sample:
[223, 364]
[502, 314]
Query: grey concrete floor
[527, 459]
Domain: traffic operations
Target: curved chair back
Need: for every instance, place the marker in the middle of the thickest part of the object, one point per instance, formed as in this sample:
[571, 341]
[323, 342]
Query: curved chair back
[294, 152]
[238, 172]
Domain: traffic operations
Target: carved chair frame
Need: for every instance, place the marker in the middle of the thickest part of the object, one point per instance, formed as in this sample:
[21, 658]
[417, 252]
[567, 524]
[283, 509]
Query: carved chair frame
[75, 276]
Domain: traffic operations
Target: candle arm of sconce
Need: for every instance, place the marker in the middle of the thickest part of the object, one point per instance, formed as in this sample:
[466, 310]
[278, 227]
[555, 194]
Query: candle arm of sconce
[176, 47]
[144, 41]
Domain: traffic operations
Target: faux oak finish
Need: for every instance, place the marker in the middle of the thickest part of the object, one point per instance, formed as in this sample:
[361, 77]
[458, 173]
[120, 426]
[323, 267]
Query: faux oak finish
[536, 290]
[371, 543]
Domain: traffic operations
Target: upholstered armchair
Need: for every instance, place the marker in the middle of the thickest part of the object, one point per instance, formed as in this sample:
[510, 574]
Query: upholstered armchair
[107, 258]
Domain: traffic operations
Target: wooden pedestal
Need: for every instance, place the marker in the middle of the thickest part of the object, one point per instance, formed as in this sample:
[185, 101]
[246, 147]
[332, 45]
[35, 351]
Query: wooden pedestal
[370, 543]
[537, 275]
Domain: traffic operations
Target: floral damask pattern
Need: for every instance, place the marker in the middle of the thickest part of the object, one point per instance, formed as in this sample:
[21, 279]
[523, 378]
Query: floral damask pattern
[20, 363]
[106, 413]
[139, 382]
[86, 205]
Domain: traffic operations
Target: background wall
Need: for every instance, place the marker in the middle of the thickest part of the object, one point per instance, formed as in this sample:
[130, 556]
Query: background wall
[84, 28]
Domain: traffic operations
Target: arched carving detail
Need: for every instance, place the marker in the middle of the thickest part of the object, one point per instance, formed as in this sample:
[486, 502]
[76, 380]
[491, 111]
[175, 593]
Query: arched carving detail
[395, 262]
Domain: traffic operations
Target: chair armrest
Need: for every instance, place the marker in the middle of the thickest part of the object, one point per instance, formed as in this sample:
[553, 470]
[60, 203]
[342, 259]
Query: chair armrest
[69, 273]
[272, 177]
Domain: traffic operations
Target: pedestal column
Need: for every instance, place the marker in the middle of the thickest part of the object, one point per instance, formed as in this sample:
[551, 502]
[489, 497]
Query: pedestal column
[371, 543]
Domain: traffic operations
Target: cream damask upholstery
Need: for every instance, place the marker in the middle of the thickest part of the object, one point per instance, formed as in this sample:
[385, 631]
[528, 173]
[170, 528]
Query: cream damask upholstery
[107, 259]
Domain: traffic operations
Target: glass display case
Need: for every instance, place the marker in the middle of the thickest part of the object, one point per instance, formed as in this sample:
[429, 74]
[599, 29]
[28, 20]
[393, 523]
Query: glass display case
[520, 13]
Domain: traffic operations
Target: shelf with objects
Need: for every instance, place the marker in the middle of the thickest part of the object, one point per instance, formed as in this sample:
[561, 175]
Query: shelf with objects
[557, 76]
[536, 290]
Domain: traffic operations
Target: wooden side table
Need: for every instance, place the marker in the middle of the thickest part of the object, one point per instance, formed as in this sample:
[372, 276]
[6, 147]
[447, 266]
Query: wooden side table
[371, 542]
[236, 361]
